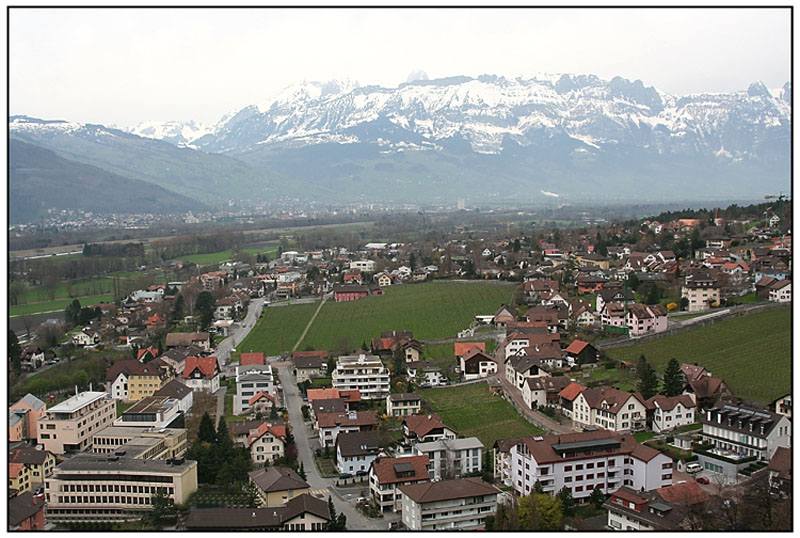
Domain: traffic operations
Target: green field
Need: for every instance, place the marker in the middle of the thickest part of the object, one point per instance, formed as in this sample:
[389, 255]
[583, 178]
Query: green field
[58, 305]
[208, 259]
[285, 321]
[752, 353]
[473, 412]
[94, 286]
[429, 310]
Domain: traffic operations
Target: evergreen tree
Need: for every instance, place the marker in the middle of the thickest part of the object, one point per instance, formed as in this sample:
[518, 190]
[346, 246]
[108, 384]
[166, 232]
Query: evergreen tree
[177, 311]
[653, 295]
[205, 306]
[648, 382]
[207, 433]
[72, 312]
[567, 501]
[398, 361]
[332, 510]
[14, 352]
[597, 498]
[224, 441]
[633, 281]
[301, 472]
[673, 383]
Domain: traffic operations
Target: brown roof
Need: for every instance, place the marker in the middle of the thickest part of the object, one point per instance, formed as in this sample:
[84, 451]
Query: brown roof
[173, 389]
[706, 387]
[385, 471]
[256, 518]
[357, 443]
[613, 397]
[571, 391]
[22, 507]
[668, 403]
[354, 418]
[549, 383]
[476, 353]
[504, 445]
[277, 479]
[781, 462]
[332, 405]
[422, 425]
[131, 367]
[405, 397]
[184, 339]
[692, 371]
[243, 427]
[428, 492]
[683, 493]
[28, 455]
[251, 358]
[461, 348]
[543, 452]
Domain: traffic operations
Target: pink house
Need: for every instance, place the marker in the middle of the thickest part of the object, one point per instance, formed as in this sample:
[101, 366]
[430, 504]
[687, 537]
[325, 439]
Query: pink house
[642, 319]
[23, 418]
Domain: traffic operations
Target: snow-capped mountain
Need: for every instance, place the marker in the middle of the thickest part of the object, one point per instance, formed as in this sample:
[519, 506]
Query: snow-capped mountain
[490, 111]
[174, 132]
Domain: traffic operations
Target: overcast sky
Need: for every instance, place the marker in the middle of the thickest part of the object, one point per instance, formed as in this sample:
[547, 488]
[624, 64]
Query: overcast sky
[123, 66]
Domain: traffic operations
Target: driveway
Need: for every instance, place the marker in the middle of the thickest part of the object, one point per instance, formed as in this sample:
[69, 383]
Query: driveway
[320, 487]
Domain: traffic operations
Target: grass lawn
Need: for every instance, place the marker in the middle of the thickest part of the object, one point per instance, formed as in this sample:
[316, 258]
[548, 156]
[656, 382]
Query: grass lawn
[473, 412]
[208, 259]
[688, 428]
[687, 315]
[321, 383]
[57, 305]
[624, 380]
[752, 352]
[429, 310]
[94, 286]
[644, 436]
[278, 329]
[746, 299]
[122, 407]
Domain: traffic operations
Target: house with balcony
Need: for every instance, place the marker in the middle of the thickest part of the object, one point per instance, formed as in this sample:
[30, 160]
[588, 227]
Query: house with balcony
[252, 379]
[330, 425]
[610, 409]
[665, 413]
[701, 291]
[501, 454]
[403, 405]
[386, 475]
[538, 392]
[665, 509]
[643, 319]
[364, 373]
[355, 451]
[201, 373]
[584, 461]
[70, 425]
[448, 505]
[452, 458]
[425, 428]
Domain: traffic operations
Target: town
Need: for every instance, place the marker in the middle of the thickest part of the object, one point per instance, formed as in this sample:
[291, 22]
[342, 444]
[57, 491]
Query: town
[463, 371]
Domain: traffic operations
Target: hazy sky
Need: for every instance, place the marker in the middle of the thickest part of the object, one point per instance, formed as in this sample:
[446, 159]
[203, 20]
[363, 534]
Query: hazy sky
[122, 66]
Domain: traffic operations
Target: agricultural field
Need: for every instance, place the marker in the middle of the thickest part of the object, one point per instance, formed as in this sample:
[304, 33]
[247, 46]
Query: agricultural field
[278, 329]
[473, 412]
[94, 286]
[752, 352]
[429, 310]
[57, 305]
[208, 259]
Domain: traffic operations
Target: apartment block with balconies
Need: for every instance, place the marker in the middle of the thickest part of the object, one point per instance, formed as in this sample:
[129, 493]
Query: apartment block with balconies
[365, 373]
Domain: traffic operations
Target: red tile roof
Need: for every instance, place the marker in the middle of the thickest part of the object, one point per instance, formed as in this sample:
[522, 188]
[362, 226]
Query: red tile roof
[422, 425]
[260, 395]
[461, 348]
[251, 358]
[207, 366]
[684, 493]
[385, 472]
[576, 347]
[571, 391]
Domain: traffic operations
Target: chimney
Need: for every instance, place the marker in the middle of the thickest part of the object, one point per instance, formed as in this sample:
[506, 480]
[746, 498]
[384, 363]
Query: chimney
[76, 390]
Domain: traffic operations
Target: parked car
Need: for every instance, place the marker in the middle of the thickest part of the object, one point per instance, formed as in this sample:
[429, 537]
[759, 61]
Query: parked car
[345, 475]
[694, 467]
[361, 473]
[702, 480]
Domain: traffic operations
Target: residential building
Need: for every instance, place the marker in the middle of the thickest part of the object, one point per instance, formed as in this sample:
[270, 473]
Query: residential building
[584, 461]
[251, 380]
[452, 458]
[501, 454]
[365, 266]
[330, 425]
[141, 443]
[735, 436]
[425, 428]
[70, 425]
[364, 373]
[702, 292]
[301, 513]
[38, 463]
[90, 487]
[538, 392]
[664, 509]
[476, 364]
[403, 405]
[670, 412]
[580, 353]
[151, 412]
[130, 380]
[521, 367]
[309, 364]
[566, 399]
[277, 485]
[19, 478]
[448, 505]
[201, 373]
[201, 340]
[23, 418]
[707, 391]
[643, 319]
[609, 409]
[504, 316]
[782, 406]
[383, 279]
[85, 337]
[355, 451]
[32, 358]
[267, 443]
[432, 375]
[781, 291]
[386, 475]
[780, 471]
[180, 392]
[349, 292]
[613, 295]
[25, 513]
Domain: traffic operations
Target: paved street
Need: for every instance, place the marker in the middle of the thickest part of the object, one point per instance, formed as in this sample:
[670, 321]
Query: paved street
[343, 500]
[238, 332]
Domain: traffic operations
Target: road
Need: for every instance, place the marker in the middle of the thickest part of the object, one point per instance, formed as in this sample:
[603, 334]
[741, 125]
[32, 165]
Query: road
[220, 394]
[238, 332]
[322, 487]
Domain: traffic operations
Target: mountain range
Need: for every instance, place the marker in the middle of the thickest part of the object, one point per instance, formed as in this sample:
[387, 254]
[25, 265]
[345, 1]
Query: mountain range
[484, 139]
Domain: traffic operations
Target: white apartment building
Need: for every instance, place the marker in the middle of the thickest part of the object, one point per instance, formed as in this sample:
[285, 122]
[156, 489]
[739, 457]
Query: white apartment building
[781, 292]
[366, 266]
[671, 412]
[403, 405]
[587, 460]
[609, 409]
[452, 458]
[250, 380]
[739, 432]
[365, 373]
[448, 505]
[70, 425]
[701, 292]
[91, 487]
[151, 412]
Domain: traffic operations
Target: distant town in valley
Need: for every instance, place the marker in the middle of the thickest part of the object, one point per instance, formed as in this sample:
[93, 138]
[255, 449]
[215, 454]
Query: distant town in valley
[377, 367]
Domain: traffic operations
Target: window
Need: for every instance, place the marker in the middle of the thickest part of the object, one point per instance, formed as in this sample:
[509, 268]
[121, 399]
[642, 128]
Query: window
[590, 465]
[567, 479]
[579, 477]
[578, 488]
[589, 477]
[567, 468]
[666, 476]
[601, 475]
[579, 467]
[601, 464]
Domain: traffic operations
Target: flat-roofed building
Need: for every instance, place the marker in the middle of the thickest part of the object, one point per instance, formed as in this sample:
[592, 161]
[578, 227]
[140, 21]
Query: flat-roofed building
[141, 443]
[151, 412]
[92, 487]
[23, 417]
[364, 373]
[70, 425]
[452, 457]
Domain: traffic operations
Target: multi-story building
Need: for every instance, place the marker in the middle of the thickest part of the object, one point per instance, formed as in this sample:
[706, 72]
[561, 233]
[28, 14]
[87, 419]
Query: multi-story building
[387, 474]
[448, 505]
[70, 425]
[501, 454]
[277, 485]
[309, 364]
[425, 428]
[365, 373]
[151, 412]
[609, 409]
[330, 425]
[39, 463]
[201, 373]
[476, 364]
[365, 266]
[130, 380]
[739, 435]
[643, 319]
[25, 513]
[781, 291]
[142, 443]
[301, 513]
[584, 461]
[92, 487]
[23, 418]
[452, 458]
[403, 405]
[252, 379]
[672, 412]
[664, 509]
[701, 291]
[19, 478]
[355, 451]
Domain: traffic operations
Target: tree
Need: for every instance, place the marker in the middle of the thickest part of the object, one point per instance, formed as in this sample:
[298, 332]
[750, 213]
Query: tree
[162, 506]
[206, 433]
[597, 498]
[684, 303]
[648, 382]
[15, 289]
[177, 310]
[398, 361]
[653, 295]
[14, 352]
[251, 494]
[419, 378]
[205, 307]
[549, 512]
[633, 281]
[50, 286]
[301, 472]
[72, 312]
[673, 383]
[567, 501]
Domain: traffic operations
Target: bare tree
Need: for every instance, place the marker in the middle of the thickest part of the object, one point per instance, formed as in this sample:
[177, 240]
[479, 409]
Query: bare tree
[15, 289]
[190, 293]
[27, 321]
[50, 286]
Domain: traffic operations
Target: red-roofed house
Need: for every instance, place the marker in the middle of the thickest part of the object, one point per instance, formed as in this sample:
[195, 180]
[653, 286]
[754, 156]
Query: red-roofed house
[262, 403]
[266, 443]
[251, 358]
[146, 354]
[202, 373]
[461, 348]
[580, 353]
[567, 397]
[476, 364]
[387, 474]
[426, 428]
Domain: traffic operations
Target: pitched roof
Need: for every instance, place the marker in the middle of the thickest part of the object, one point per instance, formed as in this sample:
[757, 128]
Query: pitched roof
[549, 383]
[576, 347]
[353, 418]
[207, 366]
[264, 427]
[781, 462]
[256, 518]
[422, 425]
[614, 398]
[683, 493]
[251, 358]
[306, 503]
[476, 353]
[706, 387]
[333, 405]
[31, 401]
[504, 445]
[260, 395]
[184, 339]
[357, 443]
[667, 403]
[277, 479]
[428, 492]
[28, 455]
[405, 397]
[23, 506]
[693, 372]
[461, 348]
[571, 391]
[412, 468]
[551, 448]
[322, 394]
[174, 389]
[131, 367]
